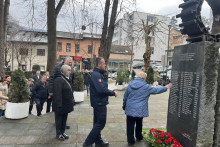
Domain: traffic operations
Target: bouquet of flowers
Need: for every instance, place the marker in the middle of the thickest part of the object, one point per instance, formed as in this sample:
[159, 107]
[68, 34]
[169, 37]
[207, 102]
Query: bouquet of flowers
[158, 138]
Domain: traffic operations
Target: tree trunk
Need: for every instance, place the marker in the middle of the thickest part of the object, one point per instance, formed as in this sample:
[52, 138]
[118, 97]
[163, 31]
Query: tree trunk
[147, 54]
[111, 29]
[51, 31]
[215, 5]
[2, 38]
[104, 30]
[6, 14]
[52, 13]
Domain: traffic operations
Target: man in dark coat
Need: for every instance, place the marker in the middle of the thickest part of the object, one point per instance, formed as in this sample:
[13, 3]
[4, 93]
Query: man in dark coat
[31, 83]
[62, 101]
[57, 73]
[133, 74]
[87, 78]
[37, 77]
[40, 94]
[99, 93]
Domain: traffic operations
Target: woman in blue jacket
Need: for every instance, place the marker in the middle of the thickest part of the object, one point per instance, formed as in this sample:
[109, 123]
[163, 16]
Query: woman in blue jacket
[135, 104]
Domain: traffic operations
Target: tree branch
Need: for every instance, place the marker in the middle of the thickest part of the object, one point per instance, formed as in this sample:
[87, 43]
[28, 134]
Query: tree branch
[59, 6]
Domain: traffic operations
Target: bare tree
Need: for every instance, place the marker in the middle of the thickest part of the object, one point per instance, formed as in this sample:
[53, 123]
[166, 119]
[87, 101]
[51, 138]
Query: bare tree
[148, 28]
[6, 15]
[52, 13]
[108, 31]
[2, 38]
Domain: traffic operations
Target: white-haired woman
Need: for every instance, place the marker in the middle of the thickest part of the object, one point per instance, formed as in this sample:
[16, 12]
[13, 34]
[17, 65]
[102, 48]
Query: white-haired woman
[135, 104]
[63, 101]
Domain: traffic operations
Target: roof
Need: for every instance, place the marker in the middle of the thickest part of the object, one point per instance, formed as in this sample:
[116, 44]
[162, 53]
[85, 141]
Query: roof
[118, 49]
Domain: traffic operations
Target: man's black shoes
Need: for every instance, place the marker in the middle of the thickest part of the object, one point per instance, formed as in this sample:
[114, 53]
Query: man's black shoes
[67, 127]
[103, 144]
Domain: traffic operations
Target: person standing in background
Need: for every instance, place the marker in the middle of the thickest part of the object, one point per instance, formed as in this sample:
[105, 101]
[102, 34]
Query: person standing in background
[37, 77]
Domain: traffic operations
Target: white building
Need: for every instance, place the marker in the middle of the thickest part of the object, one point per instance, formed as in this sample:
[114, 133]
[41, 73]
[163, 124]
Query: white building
[27, 48]
[128, 32]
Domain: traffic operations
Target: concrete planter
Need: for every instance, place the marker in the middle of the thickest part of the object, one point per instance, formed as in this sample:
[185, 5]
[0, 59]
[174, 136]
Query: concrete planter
[17, 110]
[120, 87]
[79, 96]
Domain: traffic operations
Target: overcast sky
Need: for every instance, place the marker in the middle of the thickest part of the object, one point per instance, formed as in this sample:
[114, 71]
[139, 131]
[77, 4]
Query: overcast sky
[22, 11]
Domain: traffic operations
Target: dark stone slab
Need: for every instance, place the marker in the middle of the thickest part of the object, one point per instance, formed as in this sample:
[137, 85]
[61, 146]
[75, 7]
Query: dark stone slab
[193, 96]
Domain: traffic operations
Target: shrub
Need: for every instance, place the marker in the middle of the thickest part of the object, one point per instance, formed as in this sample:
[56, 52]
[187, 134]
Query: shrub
[150, 76]
[35, 68]
[78, 81]
[122, 76]
[19, 91]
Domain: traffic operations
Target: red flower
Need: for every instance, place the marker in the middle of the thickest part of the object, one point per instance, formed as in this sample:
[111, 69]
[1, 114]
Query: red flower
[150, 131]
[174, 145]
[155, 135]
[158, 141]
[161, 135]
[170, 139]
[166, 141]
[145, 132]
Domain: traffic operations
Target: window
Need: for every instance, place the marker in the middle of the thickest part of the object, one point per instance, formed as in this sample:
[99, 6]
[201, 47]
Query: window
[77, 48]
[23, 51]
[24, 67]
[89, 49]
[151, 18]
[40, 52]
[42, 68]
[152, 50]
[68, 47]
[59, 46]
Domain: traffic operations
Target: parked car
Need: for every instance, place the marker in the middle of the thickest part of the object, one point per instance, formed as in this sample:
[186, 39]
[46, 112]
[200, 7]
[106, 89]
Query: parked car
[113, 73]
[158, 68]
[164, 78]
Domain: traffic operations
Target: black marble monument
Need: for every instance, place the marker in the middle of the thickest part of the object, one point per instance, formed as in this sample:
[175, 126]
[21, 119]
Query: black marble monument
[193, 95]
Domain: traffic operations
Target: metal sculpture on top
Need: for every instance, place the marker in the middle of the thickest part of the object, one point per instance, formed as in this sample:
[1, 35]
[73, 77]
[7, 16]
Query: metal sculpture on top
[192, 24]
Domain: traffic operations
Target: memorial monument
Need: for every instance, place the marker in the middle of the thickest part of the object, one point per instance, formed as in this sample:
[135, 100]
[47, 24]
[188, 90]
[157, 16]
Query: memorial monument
[194, 102]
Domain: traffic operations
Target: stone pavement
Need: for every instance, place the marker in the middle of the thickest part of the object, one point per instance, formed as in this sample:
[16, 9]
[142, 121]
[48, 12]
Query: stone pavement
[40, 131]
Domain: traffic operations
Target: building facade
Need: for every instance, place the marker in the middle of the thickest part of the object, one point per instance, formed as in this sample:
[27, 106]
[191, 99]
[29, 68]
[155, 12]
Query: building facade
[27, 48]
[129, 32]
[176, 39]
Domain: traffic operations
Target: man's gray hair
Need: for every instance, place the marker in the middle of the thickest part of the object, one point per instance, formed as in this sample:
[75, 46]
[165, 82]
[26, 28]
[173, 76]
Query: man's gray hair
[98, 60]
[65, 68]
[67, 58]
[44, 76]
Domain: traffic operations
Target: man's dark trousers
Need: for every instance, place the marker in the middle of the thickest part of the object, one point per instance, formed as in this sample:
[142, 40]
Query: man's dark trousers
[39, 105]
[131, 121]
[99, 121]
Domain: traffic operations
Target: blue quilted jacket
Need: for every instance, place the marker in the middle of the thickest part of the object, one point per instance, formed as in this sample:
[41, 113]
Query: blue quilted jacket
[136, 97]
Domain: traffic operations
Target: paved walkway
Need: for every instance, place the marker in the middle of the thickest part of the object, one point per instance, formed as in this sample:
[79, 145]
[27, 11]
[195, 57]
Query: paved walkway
[40, 131]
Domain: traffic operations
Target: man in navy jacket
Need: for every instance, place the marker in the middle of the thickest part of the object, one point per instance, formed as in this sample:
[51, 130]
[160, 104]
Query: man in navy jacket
[99, 93]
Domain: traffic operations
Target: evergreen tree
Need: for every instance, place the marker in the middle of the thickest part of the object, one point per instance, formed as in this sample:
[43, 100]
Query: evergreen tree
[19, 91]
[78, 81]
[150, 76]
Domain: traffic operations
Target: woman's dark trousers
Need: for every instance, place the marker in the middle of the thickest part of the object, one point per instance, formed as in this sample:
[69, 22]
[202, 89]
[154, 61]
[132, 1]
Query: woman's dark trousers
[99, 121]
[60, 121]
[131, 121]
